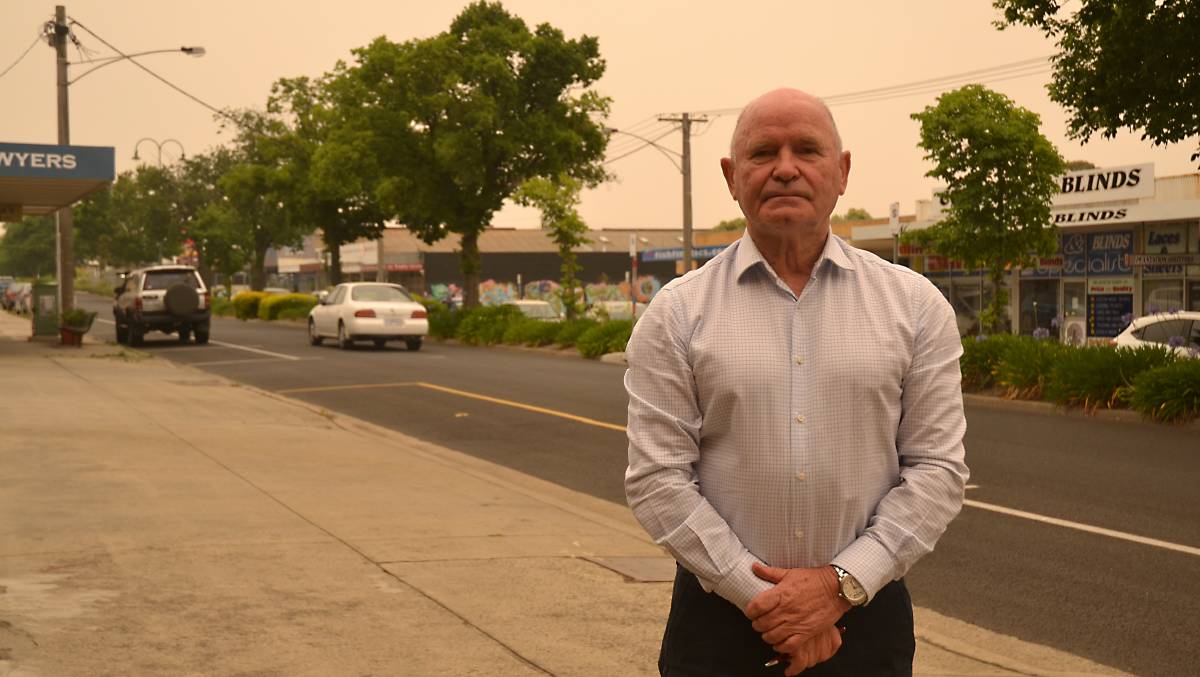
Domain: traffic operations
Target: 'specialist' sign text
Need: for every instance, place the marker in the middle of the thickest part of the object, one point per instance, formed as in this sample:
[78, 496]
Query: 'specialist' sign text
[38, 161]
[1105, 184]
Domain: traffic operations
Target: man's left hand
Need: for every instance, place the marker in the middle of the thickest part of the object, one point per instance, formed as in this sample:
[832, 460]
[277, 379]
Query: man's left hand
[802, 603]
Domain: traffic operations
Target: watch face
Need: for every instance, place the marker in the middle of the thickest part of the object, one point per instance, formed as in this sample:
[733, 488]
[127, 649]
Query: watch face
[853, 590]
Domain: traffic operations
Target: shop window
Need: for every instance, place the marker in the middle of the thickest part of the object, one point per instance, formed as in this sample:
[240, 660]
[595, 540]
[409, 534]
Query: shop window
[1162, 296]
[966, 295]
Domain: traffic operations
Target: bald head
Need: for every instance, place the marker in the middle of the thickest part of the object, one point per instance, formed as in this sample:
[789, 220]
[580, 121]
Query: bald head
[782, 95]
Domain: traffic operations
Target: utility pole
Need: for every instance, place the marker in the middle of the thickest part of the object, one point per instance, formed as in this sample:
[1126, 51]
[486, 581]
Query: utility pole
[685, 121]
[64, 218]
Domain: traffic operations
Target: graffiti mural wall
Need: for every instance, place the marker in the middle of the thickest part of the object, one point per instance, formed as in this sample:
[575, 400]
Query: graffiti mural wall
[493, 293]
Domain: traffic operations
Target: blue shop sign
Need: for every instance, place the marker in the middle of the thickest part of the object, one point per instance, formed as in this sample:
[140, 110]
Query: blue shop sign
[676, 253]
[1106, 252]
[1074, 253]
[73, 163]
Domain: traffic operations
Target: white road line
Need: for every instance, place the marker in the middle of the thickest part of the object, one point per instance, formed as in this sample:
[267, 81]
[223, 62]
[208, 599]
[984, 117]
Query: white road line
[223, 344]
[260, 351]
[1133, 538]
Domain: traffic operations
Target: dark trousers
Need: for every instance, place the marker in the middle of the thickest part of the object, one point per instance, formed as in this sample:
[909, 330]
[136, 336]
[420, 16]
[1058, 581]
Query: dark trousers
[706, 636]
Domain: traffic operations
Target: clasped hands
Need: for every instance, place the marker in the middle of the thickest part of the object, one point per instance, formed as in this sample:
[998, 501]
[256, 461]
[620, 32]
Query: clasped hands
[797, 616]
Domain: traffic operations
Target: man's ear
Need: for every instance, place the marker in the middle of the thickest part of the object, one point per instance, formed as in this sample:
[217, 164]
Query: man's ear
[727, 170]
[845, 171]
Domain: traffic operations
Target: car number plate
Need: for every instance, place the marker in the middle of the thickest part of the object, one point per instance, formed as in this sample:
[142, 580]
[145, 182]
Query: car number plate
[393, 321]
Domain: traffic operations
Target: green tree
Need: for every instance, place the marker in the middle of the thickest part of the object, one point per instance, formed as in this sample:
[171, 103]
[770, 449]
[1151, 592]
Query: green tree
[27, 247]
[1122, 64]
[260, 187]
[459, 121]
[218, 233]
[133, 221]
[730, 225]
[1076, 165]
[320, 166]
[558, 201]
[852, 214]
[1000, 173]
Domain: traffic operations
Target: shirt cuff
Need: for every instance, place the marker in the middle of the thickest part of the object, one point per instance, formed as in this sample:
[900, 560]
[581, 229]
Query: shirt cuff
[869, 562]
[741, 585]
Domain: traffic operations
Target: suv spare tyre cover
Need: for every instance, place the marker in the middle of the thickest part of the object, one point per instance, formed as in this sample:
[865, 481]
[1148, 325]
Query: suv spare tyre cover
[181, 300]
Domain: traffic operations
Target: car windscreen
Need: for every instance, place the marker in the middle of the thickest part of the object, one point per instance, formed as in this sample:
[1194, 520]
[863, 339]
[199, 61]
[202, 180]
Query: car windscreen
[165, 279]
[539, 311]
[379, 293]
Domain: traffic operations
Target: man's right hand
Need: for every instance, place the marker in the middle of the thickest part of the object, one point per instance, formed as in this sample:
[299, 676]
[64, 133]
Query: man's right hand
[802, 655]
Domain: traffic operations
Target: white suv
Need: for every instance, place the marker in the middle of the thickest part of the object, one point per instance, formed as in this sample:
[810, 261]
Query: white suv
[170, 299]
[1179, 331]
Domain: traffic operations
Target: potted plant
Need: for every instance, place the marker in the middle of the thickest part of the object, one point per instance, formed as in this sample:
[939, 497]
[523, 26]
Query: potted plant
[75, 323]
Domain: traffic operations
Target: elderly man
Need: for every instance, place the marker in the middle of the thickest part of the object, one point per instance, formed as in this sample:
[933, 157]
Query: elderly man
[795, 424]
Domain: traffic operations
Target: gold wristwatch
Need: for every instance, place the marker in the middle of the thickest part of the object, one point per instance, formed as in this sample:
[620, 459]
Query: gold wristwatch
[849, 588]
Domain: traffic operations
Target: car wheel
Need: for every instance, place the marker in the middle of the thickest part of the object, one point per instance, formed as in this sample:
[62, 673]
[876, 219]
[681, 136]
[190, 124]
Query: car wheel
[413, 343]
[343, 339]
[313, 337]
[136, 335]
[201, 337]
[185, 333]
[122, 333]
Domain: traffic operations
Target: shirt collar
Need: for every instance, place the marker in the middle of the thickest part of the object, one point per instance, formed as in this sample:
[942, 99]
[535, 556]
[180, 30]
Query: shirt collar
[748, 254]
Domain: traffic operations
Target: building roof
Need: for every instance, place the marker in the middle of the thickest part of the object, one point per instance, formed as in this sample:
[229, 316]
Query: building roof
[497, 240]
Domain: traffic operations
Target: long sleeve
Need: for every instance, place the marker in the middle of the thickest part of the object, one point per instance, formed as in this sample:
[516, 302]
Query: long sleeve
[933, 473]
[661, 483]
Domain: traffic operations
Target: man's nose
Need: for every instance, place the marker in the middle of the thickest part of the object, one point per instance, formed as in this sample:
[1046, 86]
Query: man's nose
[785, 170]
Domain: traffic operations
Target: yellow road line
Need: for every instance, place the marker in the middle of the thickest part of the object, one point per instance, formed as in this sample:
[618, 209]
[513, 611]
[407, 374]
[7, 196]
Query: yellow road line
[361, 386]
[461, 393]
[526, 407]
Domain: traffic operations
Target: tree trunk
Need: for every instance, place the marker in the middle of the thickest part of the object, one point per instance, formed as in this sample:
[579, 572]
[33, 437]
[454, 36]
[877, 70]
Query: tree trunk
[470, 268]
[335, 262]
[258, 269]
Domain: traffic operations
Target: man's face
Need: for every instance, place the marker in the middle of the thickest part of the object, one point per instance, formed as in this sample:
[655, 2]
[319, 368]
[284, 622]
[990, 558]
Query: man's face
[787, 172]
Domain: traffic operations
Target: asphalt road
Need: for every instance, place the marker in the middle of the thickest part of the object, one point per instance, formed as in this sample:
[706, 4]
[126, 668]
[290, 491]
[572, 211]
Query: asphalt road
[1127, 603]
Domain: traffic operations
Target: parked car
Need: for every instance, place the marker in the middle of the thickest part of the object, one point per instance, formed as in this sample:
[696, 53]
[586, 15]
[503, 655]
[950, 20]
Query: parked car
[536, 310]
[368, 311]
[18, 297]
[614, 310]
[1180, 331]
[170, 299]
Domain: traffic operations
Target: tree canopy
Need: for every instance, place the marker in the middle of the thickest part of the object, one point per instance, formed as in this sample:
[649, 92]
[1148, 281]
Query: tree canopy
[1000, 174]
[558, 201]
[27, 247]
[457, 122]
[852, 214]
[1122, 64]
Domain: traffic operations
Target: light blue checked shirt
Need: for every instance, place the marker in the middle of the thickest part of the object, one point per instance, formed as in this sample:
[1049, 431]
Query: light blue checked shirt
[795, 431]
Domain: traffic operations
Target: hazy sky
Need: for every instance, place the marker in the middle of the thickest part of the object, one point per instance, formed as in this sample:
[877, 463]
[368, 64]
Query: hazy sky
[663, 56]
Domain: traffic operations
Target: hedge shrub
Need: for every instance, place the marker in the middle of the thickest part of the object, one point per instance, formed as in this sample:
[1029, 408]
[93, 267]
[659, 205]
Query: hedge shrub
[222, 307]
[1168, 393]
[605, 337]
[1095, 376]
[981, 355]
[245, 304]
[485, 325]
[530, 332]
[1025, 365]
[570, 331]
[270, 307]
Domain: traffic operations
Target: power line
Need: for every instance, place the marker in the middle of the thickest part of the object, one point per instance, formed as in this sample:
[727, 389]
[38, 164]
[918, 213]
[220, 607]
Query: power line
[23, 55]
[651, 142]
[1001, 72]
[158, 77]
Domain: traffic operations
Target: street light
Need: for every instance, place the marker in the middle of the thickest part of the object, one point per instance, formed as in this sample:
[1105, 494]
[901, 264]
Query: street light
[159, 145]
[59, 32]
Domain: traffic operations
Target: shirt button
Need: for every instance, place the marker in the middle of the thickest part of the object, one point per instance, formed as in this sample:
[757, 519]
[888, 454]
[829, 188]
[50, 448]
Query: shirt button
[799, 418]
[801, 476]
[799, 360]
[799, 535]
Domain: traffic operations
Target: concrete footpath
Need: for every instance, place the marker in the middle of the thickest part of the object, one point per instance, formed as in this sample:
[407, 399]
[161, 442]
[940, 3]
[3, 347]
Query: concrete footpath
[159, 520]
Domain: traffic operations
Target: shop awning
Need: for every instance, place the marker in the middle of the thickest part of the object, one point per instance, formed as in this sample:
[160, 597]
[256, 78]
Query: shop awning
[39, 179]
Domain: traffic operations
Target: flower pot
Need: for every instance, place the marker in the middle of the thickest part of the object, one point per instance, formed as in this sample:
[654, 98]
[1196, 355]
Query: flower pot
[70, 337]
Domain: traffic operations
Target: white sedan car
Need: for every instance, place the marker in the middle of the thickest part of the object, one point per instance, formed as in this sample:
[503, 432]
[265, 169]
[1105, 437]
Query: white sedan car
[368, 311]
[1179, 331]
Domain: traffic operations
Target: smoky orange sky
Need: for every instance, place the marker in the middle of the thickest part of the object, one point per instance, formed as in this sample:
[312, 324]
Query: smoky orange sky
[663, 57]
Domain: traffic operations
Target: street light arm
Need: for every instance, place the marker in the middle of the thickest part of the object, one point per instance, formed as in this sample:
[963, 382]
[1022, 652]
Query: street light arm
[108, 61]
